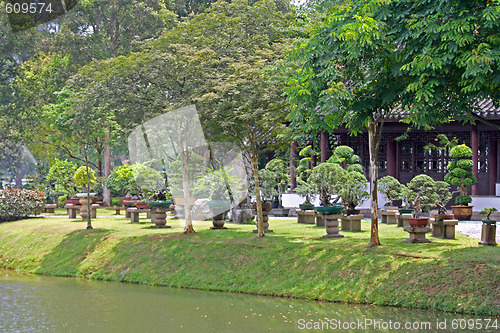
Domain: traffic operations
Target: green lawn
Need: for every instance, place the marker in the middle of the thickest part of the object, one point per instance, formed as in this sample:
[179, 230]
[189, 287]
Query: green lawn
[295, 261]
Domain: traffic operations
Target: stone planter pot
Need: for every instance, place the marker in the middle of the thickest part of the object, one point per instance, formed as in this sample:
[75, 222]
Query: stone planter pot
[488, 233]
[160, 209]
[306, 207]
[219, 208]
[142, 205]
[329, 210]
[280, 211]
[444, 216]
[462, 213]
[266, 211]
[405, 210]
[352, 212]
[420, 222]
[265, 205]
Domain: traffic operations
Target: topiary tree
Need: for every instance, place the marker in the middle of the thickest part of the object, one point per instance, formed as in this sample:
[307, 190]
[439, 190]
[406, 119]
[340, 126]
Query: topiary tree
[282, 177]
[391, 189]
[423, 186]
[328, 179]
[345, 157]
[460, 173]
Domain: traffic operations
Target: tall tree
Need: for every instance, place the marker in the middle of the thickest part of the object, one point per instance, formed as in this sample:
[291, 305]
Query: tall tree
[348, 72]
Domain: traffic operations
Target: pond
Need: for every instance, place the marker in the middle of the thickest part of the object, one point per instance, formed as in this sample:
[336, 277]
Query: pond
[31, 303]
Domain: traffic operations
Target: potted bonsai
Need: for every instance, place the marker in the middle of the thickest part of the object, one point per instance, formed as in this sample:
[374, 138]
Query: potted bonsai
[282, 178]
[216, 186]
[423, 186]
[460, 174]
[307, 190]
[443, 196]
[391, 189]
[487, 212]
[489, 228]
[328, 177]
[353, 191]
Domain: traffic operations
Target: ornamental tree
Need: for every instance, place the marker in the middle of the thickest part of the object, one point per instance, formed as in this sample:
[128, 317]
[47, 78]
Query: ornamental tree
[328, 178]
[460, 173]
[391, 188]
[423, 186]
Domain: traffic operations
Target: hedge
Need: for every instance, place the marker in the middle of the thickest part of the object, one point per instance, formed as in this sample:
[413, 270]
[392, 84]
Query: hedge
[18, 204]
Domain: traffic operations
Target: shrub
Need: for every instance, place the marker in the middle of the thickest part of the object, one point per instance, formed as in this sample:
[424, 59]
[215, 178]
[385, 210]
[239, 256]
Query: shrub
[61, 173]
[18, 204]
[61, 201]
[80, 178]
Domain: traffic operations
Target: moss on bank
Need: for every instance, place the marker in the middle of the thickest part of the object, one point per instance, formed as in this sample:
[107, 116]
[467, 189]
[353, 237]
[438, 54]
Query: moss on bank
[294, 261]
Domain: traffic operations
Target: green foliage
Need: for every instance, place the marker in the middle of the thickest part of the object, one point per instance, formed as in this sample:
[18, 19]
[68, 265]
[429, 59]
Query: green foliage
[80, 178]
[307, 189]
[61, 201]
[424, 187]
[443, 195]
[461, 151]
[218, 184]
[353, 189]
[18, 204]
[460, 172]
[61, 173]
[391, 188]
[487, 212]
[267, 183]
[121, 180]
[328, 178]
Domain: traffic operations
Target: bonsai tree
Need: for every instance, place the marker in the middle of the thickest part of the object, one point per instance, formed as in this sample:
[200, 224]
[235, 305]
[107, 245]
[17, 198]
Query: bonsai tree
[487, 212]
[217, 184]
[268, 184]
[391, 189]
[345, 157]
[328, 177]
[353, 189]
[307, 189]
[460, 173]
[443, 196]
[278, 167]
[81, 181]
[423, 186]
[407, 197]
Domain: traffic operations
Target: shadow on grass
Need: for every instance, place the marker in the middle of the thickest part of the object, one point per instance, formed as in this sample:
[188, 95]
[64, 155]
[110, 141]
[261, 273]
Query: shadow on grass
[66, 257]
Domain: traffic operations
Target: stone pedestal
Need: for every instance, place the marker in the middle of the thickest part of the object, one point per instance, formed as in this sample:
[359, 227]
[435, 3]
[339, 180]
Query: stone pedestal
[83, 209]
[265, 221]
[50, 208]
[320, 222]
[444, 228]
[488, 234]
[332, 225]
[72, 210]
[389, 216]
[417, 234]
[152, 213]
[161, 217]
[117, 210]
[305, 216]
[93, 209]
[351, 222]
[404, 220]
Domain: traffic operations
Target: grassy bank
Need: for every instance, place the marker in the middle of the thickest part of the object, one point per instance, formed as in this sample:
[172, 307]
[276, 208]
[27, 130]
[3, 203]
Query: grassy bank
[450, 275]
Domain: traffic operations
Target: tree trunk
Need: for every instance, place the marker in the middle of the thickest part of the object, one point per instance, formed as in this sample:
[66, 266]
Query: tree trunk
[185, 187]
[374, 141]
[89, 212]
[260, 220]
[107, 171]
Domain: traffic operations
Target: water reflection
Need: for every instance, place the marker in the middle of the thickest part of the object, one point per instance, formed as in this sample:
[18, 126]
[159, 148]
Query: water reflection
[44, 304]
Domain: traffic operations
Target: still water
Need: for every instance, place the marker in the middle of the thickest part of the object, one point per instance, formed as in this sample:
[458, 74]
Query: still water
[44, 304]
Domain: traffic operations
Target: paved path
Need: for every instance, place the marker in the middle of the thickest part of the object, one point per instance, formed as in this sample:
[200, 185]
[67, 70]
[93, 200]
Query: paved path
[473, 229]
